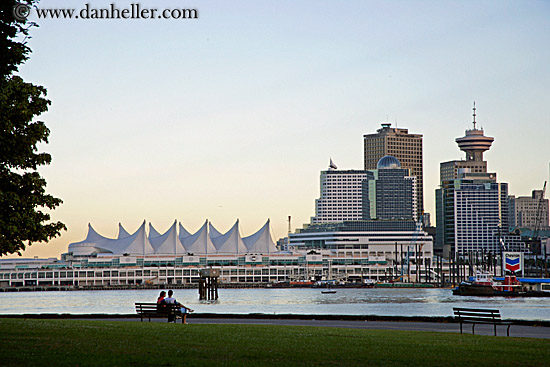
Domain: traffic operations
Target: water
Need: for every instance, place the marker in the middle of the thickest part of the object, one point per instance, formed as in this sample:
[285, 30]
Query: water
[350, 301]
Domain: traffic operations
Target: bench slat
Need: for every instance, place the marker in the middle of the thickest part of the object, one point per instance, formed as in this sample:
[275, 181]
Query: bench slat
[476, 320]
[475, 309]
[480, 316]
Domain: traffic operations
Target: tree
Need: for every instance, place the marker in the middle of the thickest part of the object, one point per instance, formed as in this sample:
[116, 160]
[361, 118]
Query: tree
[23, 198]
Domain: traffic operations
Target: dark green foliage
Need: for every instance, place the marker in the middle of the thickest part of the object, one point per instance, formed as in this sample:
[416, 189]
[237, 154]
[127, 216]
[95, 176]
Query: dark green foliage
[22, 189]
[13, 32]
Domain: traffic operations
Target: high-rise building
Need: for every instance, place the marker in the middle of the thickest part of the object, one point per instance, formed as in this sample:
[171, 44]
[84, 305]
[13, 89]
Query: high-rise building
[407, 148]
[341, 197]
[480, 220]
[389, 192]
[472, 213]
[529, 211]
[471, 206]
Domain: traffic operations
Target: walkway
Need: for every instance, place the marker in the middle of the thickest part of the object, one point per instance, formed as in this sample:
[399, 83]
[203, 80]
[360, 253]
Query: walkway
[515, 330]
[524, 331]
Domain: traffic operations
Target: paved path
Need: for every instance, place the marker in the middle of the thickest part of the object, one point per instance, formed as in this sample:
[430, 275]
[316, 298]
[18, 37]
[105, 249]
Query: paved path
[515, 330]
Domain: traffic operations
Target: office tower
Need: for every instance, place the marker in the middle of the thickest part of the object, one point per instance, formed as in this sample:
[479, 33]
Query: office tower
[472, 213]
[407, 148]
[481, 215]
[389, 192]
[525, 211]
[340, 198]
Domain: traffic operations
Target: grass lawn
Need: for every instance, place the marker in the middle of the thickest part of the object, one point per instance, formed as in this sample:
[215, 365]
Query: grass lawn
[112, 343]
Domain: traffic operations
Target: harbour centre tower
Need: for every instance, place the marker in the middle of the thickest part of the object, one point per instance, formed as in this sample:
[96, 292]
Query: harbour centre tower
[471, 206]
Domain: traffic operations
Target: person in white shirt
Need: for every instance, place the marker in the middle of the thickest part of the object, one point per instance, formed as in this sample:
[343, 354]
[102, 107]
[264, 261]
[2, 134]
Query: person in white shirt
[184, 310]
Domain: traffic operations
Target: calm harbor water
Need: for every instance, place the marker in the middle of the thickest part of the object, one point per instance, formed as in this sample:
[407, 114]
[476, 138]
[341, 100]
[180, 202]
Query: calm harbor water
[350, 301]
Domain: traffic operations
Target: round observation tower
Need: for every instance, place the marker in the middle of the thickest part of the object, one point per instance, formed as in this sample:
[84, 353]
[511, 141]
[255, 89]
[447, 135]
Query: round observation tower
[474, 143]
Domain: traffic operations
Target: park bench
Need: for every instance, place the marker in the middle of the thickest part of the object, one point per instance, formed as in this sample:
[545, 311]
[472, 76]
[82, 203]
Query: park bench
[480, 316]
[149, 310]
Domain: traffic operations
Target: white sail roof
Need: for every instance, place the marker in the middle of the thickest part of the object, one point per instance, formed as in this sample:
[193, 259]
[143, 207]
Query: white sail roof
[93, 236]
[231, 242]
[206, 241]
[261, 241]
[213, 232]
[183, 232]
[136, 244]
[168, 243]
[122, 233]
[200, 242]
[93, 243]
[153, 232]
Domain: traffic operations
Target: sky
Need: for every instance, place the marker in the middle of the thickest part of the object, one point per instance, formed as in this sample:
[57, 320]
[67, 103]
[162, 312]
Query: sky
[233, 115]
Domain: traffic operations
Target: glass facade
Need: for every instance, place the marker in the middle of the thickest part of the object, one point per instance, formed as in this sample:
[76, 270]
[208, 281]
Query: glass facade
[361, 226]
[389, 194]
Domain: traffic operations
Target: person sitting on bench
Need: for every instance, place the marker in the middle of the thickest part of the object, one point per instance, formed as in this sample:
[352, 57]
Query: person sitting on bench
[161, 305]
[184, 310]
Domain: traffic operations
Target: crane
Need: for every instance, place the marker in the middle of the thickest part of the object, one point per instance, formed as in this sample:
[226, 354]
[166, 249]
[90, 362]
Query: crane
[538, 220]
[411, 246]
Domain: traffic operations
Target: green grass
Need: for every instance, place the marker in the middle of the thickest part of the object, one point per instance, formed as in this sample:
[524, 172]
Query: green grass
[109, 343]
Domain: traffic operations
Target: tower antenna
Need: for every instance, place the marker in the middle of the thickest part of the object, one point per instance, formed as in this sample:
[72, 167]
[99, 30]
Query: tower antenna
[474, 115]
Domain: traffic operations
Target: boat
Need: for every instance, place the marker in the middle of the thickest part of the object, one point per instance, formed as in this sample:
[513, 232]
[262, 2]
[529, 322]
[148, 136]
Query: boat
[301, 283]
[327, 284]
[483, 285]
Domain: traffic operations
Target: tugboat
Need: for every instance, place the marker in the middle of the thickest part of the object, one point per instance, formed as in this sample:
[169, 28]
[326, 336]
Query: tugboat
[483, 285]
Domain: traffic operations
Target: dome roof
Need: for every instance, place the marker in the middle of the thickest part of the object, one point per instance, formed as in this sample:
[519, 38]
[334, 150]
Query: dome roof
[388, 162]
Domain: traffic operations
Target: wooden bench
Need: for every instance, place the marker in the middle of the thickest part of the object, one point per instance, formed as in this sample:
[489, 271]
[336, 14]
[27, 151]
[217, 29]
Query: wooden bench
[149, 310]
[480, 316]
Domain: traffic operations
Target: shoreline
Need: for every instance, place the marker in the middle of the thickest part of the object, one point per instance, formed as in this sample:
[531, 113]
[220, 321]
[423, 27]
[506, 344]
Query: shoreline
[56, 288]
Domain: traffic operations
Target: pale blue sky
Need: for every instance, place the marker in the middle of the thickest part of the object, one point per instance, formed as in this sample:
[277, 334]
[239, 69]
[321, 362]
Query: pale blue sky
[233, 115]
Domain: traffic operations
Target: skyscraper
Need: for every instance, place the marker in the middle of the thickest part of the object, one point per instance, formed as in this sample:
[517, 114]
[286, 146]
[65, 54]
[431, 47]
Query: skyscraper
[529, 211]
[340, 198]
[389, 192]
[407, 148]
[472, 213]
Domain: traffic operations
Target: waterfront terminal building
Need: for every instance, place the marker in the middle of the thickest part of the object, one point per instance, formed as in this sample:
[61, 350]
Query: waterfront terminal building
[368, 249]
[347, 251]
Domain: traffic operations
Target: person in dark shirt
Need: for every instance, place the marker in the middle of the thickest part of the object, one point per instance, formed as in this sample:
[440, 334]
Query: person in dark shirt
[161, 305]
[161, 297]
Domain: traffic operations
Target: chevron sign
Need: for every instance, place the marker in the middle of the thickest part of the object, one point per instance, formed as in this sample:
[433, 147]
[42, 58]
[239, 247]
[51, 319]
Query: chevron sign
[513, 261]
